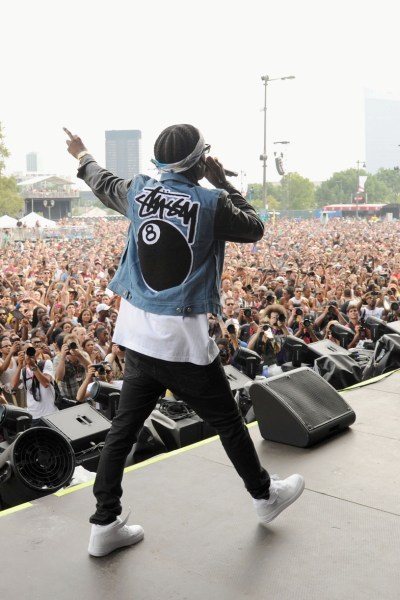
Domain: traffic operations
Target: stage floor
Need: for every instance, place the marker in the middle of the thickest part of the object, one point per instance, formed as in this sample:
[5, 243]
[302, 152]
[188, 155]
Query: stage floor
[340, 540]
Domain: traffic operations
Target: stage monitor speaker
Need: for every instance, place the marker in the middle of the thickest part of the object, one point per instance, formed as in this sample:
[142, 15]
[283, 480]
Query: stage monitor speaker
[237, 379]
[85, 428]
[385, 358]
[40, 461]
[393, 327]
[326, 348]
[148, 444]
[177, 434]
[299, 408]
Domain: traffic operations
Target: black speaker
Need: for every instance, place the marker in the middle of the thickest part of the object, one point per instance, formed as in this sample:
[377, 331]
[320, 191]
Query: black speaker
[299, 408]
[85, 428]
[177, 434]
[107, 396]
[148, 444]
[386, 357]
[39, 462]
[237, 379]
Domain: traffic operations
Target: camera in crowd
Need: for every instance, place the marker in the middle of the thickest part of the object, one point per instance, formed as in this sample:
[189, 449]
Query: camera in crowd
[30, 351]
[332, 307]
[247, 312]
[299, 312]
[394, 306]
[100, 368]
[307, 321]
[72, 346]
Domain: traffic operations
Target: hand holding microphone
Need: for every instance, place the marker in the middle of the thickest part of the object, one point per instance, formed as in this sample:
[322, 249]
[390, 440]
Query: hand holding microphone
[216, 174]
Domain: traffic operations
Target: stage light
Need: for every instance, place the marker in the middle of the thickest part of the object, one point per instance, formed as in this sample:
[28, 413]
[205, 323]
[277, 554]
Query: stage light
[343, 334]
[13, 420]
[107, 395]
[248, 359]
[39, 462]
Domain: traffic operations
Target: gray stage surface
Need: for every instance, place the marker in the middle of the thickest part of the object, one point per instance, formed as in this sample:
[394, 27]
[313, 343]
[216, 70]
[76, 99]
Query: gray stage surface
[340, 540]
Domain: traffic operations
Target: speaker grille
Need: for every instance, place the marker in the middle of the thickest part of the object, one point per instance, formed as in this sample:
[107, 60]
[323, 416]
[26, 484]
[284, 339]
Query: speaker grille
[43, 459]
[310, 396]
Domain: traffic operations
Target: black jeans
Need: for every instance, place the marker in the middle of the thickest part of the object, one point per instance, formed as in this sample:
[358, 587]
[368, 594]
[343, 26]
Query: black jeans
[206, 390]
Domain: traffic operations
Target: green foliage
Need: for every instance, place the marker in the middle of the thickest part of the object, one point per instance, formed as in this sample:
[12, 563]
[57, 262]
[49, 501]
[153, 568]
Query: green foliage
[339, 189]
[391, 178]
[4, 153]
[342, 187]
[11, 202]
[295, 192]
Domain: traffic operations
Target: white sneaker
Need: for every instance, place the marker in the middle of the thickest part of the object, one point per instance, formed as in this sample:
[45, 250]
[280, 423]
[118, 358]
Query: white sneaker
[282, 493]
[106, 538]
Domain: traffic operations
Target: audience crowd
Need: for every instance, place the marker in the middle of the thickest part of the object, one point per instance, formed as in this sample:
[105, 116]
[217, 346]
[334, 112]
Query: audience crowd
[57, 314]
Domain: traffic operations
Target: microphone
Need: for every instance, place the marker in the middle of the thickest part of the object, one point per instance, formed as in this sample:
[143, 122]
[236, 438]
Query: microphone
[229, 173]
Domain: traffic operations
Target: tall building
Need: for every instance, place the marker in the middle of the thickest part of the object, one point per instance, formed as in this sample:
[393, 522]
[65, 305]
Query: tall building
[32, 162]
[382, 131]
[123, 152]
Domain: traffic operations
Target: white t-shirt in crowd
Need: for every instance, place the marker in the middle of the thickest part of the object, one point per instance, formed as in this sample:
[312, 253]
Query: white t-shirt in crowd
[46, 405]
[172, 338]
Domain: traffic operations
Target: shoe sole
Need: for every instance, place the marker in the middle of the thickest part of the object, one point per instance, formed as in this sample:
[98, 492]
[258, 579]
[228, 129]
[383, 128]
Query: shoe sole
[98, 553]
[282, 507]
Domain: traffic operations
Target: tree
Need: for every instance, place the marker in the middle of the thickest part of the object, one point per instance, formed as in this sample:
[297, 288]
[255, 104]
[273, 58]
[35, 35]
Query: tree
[391, 178]
[339, 189]
[295, 192]
[11, 202]
[342, 187]
[4, 153]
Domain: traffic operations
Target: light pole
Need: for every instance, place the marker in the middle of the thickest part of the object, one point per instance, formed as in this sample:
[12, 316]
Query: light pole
[359, 162]
[49, 204]
[251, 191]
[263, 157]
[242, 174]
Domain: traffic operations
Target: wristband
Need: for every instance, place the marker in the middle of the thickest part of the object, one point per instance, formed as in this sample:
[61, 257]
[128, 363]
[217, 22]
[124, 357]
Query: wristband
[82, 154]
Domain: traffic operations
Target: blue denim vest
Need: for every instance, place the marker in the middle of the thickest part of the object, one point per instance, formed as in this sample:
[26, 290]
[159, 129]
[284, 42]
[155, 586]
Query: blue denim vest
[171, 264]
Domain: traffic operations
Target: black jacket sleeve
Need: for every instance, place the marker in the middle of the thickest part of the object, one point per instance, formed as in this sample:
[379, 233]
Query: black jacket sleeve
[235, 219]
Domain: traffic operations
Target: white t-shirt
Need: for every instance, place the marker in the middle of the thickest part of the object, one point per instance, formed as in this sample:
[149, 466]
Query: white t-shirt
[7, 376]
[46, 405]
[372, 312]
[172, 338]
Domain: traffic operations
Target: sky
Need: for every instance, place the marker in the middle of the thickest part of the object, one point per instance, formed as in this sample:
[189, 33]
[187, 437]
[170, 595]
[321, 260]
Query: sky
[94, 65]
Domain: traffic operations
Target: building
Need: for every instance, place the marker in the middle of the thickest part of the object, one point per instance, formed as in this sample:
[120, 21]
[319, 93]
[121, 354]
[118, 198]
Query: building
[32, 162]
[382, 132]
[48, 195]
[123, 152]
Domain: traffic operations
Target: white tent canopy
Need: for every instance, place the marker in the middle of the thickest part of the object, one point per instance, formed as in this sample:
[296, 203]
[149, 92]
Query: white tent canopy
[6, 222]
[33, 219]
[94, 212]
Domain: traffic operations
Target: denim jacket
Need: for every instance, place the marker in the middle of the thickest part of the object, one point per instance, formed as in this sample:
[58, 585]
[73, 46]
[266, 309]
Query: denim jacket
[174, 254]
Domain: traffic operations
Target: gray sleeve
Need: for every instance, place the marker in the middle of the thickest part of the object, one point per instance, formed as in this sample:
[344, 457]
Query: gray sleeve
[112, 191]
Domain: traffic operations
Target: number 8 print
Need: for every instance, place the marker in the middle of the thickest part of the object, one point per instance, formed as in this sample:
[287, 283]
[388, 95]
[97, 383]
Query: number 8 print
[151, 233]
